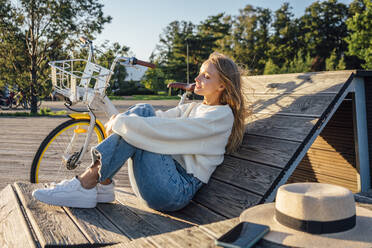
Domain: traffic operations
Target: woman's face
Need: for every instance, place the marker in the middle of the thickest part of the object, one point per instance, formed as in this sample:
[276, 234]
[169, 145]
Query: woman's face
[208, 82]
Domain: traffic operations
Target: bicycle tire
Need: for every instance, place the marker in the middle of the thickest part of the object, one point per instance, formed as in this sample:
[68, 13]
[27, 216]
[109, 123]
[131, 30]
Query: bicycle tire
[47, 164]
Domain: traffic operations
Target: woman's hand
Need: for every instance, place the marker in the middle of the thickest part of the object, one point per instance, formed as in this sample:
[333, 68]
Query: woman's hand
[108, 125]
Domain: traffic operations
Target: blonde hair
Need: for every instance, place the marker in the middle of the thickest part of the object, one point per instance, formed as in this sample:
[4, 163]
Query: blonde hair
[230, 76]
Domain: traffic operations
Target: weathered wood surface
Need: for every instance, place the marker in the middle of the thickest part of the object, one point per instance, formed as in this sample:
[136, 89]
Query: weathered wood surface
[124, 223]
[297, 83]
[246, 174]
[293, 128]
[101, 227]
[267, 150]
[50, 223]
[94, 224]
[14, 231]
[301, 105]
[193, 214]
[225, 199]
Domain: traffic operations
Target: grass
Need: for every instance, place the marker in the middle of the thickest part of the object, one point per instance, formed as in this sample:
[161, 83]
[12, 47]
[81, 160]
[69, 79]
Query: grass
[144, 97]
[41, 112]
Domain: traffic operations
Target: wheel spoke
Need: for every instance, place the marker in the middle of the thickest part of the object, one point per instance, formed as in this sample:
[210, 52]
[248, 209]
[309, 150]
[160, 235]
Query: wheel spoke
[51, 167]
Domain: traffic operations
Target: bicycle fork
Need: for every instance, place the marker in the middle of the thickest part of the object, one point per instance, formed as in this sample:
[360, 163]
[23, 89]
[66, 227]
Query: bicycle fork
[72, 160]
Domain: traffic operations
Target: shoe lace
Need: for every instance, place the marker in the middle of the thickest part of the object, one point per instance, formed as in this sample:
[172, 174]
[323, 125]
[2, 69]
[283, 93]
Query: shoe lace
[61, 184]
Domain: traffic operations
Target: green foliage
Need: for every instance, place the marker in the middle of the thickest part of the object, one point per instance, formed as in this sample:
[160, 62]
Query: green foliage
[178, 38]
[300, 63]
[323, 29]
[154, 79]
[284, 42]
[45, 27]
[360, 35]
[334, 63]
[271, 68]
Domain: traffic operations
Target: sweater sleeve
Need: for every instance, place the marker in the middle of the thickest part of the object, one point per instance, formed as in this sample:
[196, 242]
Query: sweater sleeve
[173, 112]
[177, 135]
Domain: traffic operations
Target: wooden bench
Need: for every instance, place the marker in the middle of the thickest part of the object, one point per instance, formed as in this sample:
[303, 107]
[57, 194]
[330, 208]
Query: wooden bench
[289, 112]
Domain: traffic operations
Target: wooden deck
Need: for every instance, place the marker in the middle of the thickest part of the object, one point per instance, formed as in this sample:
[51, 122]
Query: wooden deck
[25, 222]
[288, 112]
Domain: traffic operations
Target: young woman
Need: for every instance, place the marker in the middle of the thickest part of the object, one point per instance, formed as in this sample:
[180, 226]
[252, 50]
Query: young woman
[173, 152]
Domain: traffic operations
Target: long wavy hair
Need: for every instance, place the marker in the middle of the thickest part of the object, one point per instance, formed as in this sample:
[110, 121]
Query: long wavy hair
[230, 75]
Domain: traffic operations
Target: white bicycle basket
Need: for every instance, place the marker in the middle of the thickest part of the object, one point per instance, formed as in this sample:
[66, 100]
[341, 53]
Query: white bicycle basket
[74, 78]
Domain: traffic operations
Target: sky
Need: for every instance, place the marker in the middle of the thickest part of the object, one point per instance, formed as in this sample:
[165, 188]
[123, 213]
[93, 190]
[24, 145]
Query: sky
[139, 23]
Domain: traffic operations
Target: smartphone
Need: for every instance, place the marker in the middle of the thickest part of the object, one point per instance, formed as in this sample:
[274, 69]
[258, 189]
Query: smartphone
[243, 235]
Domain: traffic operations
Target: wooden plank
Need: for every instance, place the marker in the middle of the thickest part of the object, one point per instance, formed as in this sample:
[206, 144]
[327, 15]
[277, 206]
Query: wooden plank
[225, 199]
[95, 226]
[217, 229]
[158, 220]
[196, 214]
[324, 168]
[52, 225]
[162, 241]
[331, 157]
[293, 128]
[311, 105]
[249, 175]
[220, 228]
[128, 221]
[300, 176]
[267, 150]
[14, 230]
[191, 237]
[141, 242]
[331, 140]
[300, 83]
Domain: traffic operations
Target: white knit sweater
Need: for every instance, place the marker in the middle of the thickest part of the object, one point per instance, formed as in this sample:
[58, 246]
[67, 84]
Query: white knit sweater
[194, 134]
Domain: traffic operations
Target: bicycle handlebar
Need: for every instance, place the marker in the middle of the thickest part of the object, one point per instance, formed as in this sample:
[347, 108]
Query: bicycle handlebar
[132, 61]
[182, 86]
[143, 63]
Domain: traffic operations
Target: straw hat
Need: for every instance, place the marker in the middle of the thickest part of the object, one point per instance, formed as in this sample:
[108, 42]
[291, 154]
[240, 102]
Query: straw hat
[314, 215]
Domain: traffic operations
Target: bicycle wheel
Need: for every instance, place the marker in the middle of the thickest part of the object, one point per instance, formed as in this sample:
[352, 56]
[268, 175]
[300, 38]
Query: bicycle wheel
[25, 104]
[49, 164]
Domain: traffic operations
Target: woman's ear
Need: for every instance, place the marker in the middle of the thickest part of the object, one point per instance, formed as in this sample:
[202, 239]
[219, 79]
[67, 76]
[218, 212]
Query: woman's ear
[221, 87]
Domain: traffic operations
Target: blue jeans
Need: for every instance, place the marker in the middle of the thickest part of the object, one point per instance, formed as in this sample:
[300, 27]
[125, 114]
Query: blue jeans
[157, 179]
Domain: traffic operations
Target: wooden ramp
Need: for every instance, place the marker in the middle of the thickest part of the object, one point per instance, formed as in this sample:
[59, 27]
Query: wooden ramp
[289, 112]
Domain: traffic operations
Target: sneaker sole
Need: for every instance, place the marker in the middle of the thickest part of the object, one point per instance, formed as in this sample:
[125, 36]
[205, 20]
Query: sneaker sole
[105, 198]
[63, 203]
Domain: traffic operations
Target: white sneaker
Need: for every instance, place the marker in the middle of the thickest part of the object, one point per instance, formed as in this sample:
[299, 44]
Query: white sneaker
[105, 193]
[68, 193]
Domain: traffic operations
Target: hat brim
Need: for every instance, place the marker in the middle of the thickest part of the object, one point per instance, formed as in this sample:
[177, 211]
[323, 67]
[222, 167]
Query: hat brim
[359, 236]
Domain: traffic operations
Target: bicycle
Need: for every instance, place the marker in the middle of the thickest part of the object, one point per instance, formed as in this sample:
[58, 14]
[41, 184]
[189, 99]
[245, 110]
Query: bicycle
[64, 153]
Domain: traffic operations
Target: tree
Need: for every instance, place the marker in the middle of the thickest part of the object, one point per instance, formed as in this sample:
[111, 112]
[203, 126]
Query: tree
[12, 47]
[50, 25]
[360, 26]
[105, 59]
[323, 29]
[171, 54]
[334, 62]
[250, 37]
[284, 42]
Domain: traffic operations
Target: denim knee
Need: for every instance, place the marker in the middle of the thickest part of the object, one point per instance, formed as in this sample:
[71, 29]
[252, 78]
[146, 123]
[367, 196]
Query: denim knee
[141, 109]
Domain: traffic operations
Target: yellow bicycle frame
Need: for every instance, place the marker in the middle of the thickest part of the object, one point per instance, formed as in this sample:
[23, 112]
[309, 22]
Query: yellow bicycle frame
[85, 116]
